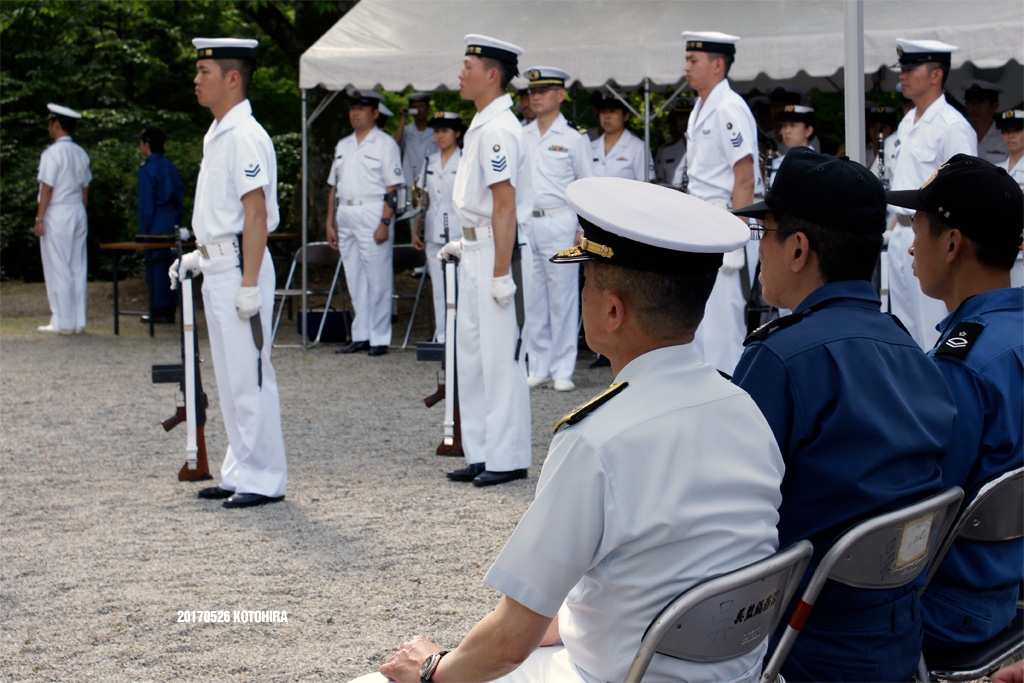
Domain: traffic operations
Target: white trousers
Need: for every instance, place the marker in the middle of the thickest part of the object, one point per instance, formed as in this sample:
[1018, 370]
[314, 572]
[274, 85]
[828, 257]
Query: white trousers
[368, 272]
[65, 264]
[436, 273]
[494, 399]
[553, 298]
[719, 337]
[918, 312]
[544, 665]
[255, 460]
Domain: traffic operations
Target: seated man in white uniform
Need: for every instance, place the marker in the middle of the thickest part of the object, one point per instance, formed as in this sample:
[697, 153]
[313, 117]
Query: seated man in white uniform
[981, 102]
[672, 156]
[617, 152]
[560, 154]
[366, 167]
[668, 478]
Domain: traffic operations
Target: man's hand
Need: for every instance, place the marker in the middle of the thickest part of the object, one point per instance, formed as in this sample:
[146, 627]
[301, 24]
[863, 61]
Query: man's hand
[183, 267]
[417, 234]
[40, 228]
[503, 290]
[405, 665]
[380, 235]
[248, 302]
[450, 252]
[732, 261]
[332, 237]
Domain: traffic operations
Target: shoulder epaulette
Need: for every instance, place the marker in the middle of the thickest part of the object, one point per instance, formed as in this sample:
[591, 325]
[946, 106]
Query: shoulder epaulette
[591, 405]
[761, 333]
[899, 323]
[960, 340]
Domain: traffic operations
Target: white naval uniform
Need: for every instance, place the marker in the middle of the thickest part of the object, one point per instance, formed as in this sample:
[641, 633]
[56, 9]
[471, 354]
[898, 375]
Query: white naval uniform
[360, 176]
[440, 184]
[557, 158]
[919, 149]
[238, 158]
[991, 147]
[669, 161]
[416, 147]
[626, 160]
[64, 166]
[654, 492]
[720, 133]
[1017, 173]
[494, 398]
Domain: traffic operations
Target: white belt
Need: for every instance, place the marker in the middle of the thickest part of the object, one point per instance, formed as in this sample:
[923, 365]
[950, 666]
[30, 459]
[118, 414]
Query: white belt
[481, 233]
[227, 248]
[538, 213]
[360, 202]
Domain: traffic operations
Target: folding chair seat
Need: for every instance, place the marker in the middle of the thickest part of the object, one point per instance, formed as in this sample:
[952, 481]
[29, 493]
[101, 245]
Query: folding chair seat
[407, 257]
[886, 551]
[316, 254]
[726, 616]
[994, 515]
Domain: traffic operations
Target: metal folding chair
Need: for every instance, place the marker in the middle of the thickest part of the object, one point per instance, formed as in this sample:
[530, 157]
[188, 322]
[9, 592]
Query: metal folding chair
[726, 616]
[994, 515]
[407, 257]
[316, 254]
[886, 551]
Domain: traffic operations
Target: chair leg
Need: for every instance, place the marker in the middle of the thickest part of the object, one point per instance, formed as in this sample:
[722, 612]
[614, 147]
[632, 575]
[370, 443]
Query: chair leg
[922, 671]
[415, 306]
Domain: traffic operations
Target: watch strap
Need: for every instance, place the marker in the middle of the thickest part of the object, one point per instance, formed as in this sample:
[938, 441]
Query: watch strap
[430, 666]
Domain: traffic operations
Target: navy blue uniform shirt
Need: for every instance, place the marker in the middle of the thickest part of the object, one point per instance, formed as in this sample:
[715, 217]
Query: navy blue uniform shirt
[160, 196]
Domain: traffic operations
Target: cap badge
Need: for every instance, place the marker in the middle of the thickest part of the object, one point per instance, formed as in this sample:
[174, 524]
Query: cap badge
[899, 50]
[533, 74]
[595, 248]
[929, 181]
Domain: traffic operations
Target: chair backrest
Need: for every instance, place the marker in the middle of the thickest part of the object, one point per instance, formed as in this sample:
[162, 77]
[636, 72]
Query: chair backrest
[318, 254]
[993, 515]
[727, 616]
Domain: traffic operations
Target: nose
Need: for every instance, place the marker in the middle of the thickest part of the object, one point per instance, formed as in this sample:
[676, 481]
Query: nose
[910, 250]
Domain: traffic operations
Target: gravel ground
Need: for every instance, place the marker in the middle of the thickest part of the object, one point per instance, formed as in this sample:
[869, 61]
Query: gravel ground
[101, 547]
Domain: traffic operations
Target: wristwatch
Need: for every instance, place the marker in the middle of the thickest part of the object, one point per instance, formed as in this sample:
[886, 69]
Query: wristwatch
[429, 665]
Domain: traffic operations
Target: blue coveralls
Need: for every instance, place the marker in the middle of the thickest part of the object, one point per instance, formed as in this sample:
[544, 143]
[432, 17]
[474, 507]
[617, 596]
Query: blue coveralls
[863, 418]
[160, 209]
[974, 594]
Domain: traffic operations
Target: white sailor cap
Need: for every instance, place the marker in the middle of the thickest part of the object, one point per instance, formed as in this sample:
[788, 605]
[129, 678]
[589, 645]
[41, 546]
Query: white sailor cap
[225, 48]
[648, 227]
[541, 76]
[981, 89]
[1011, 119]
[384, 111]
[365, 97]
[710, 41]
[485, 46]
[413, 96]
[796, 112]
[60, 110]
[914, 52]
[446, 119]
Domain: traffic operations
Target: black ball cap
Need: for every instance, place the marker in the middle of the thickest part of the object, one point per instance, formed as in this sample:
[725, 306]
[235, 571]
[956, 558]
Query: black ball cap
[152, 134]
[833, 192]
[980, 200]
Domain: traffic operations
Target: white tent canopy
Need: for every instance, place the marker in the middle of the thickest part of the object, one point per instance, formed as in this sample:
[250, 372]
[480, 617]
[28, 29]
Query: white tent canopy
[393, 44]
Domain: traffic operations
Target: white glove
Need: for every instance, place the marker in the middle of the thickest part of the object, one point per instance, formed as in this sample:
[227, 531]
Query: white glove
[183, 267]
[734, 260]
[452, 251]
[503, 290]
[248, 302]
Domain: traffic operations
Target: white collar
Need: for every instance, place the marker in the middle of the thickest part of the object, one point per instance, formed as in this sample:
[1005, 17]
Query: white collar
[492, 111]
[235, 116]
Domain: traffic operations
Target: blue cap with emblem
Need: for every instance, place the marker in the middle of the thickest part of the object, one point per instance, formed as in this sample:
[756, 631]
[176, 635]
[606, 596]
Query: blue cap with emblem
[1011, 119]
[225, 48]
[914, 52]
[485, 46]
[543, 76]
[710, 41]
[647, 227]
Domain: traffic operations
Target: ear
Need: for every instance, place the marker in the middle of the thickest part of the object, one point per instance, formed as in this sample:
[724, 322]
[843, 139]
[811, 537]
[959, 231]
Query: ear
[799, 252]
[615, 311]
[234, 79]
[955, 244]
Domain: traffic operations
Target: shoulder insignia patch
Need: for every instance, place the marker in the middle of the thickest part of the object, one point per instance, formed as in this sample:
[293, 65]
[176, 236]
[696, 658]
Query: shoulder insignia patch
[961, 338]
[590, 406]
[761, 333]
[729, 126]
[497, 148]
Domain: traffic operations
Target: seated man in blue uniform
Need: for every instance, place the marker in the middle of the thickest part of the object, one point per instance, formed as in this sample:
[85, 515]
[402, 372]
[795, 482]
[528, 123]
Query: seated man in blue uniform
[967, 233]
[669, 477]
[160, 209]
[861, 415]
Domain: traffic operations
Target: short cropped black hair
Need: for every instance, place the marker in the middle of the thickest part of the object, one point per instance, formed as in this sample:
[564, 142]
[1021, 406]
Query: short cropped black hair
[507, 71]
[728, 59]
[997, 258]
[66, 122]
[244, 67]
[841, 255]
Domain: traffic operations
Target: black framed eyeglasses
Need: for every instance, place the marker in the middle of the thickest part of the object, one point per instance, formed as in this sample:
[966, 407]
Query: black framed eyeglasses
[757, 231]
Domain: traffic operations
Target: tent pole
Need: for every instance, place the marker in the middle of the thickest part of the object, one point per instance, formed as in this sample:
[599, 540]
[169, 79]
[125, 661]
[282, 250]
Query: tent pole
[647, 128]
[305, 220]
[853, 79]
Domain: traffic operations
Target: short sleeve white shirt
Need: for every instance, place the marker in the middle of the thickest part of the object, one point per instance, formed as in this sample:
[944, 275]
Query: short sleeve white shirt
[416, 147]
[991, 147]
[440, 185]
[655, 491]
[1017, 172]
[920, 147]
[493, 152]
[669, 160]
[625, 160]
[720, 133]
[557, 158]
[365, 170]
[64, 166]
[238, 157]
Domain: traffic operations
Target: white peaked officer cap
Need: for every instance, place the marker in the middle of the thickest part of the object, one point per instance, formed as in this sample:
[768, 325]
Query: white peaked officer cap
[417, 96]
[485, 46]
[541, 76]
[384, 111]
[976, 86]
[365, 97]
[710, 41]
[61, 110]
[225, 48]
[914, 52]
[647, 227]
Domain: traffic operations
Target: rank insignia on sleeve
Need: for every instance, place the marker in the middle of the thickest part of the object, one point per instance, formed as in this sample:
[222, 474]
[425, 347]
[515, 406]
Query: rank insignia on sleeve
[960, 340]
[737, 139]
[590, 406]
[499, 164]
[497, 148]
[252, 170]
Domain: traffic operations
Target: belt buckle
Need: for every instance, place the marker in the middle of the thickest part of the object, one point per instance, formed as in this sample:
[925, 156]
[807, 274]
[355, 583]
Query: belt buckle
[204, 251]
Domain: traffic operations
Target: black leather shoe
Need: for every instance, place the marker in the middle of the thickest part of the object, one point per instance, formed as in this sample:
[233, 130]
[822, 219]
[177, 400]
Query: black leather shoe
[355, 347]
[158, 318]
[489, 478]
[601, 362]
[378, 351]
[248, 500]
[467, 473]
[215, 493]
